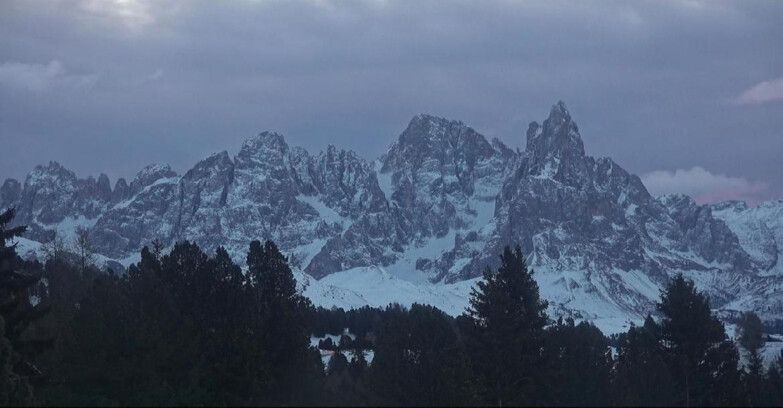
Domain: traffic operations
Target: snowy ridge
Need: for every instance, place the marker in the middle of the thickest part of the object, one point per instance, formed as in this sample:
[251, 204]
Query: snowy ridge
[420, 223]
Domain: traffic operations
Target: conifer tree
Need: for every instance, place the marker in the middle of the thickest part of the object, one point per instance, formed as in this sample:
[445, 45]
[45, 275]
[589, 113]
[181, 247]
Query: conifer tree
[419, 361]
[16, 314]
[773, 384]
[703, 361]
[102, 336]
[338, 364]
[751, 338]
[282, 328]
[507, 318]
[358, 364]
[579, 364]
[343, 387]
[641, 376]
[15, 389]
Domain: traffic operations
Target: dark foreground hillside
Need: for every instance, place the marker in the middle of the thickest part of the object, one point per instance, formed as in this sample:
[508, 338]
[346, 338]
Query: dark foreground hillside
[191, 328]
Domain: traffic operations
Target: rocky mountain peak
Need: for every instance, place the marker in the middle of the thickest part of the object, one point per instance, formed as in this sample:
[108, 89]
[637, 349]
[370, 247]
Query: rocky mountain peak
[432, 142]
[443, 204]
[213, 163]
[104, 186]
[677, 201]
[734, 205]
[53, 170]
[558, 137]
[121, 190]
[264, 141]
[559, 113]
[149, 175]
[265, 151]
[426, 131]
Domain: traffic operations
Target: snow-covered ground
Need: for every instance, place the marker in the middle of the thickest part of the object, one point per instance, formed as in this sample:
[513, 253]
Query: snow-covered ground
[378, 287]
[769, 352]
[374, 286]
[29, 249]
[326, 355]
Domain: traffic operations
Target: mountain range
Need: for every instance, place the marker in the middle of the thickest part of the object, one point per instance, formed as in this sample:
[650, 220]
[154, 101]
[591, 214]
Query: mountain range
[421, 222]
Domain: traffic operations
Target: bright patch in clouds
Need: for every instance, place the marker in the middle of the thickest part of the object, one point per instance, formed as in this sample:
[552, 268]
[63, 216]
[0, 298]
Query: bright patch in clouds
[40, 77]
[135, 14]
[767, 91]
[703, 186]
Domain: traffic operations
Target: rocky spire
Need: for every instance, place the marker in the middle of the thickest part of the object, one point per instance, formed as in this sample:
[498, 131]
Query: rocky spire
[104, 187]
[557, 137]
[555, 148]
[121, 190]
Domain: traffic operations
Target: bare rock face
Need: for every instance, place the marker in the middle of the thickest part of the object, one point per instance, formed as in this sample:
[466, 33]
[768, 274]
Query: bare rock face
[52, 195]
[121, 191]
[10, 192]
[150, 212]
[438, 206]
[203, 195]
[593, 231]
[437, 166]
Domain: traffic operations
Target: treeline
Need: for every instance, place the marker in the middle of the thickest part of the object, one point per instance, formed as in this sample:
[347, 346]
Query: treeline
[187, 328]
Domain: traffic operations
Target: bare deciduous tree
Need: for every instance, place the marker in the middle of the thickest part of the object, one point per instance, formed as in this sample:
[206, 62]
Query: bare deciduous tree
[84, 249]
[157, 247]
[55, 248]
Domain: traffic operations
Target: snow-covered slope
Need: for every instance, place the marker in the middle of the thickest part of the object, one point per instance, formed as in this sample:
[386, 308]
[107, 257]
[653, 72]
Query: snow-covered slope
[420, 223]
[759, 230]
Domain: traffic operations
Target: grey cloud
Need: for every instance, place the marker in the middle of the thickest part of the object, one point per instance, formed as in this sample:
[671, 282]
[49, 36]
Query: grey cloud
[40, 77]
[646, 81]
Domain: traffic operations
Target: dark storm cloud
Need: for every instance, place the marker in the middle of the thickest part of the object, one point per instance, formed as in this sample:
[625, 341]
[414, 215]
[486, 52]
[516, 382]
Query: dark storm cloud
[109, 86]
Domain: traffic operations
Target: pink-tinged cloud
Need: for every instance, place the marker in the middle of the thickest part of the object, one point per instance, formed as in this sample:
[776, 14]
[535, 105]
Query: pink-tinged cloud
[705, 187]
[767, 91]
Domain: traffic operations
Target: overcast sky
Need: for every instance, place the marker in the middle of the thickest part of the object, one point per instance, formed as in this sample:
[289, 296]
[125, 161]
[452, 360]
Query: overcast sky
[688, 95]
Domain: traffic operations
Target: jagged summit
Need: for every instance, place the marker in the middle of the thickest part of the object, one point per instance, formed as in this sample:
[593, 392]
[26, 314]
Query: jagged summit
[559, 135]
[213, 159]
[52, 166]
[264, 141]
[555, 149]
[52, 169]
[425, 119]
[438, 207]
[215, 163]
[427, 131]
[149, 175]
[559, 113]
[434, 141]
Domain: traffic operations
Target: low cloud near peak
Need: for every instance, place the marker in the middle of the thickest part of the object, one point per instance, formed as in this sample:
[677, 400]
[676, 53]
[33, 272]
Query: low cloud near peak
[704, 186]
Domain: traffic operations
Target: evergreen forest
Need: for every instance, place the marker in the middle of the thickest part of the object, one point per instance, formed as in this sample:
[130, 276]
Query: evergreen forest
[192, 327]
